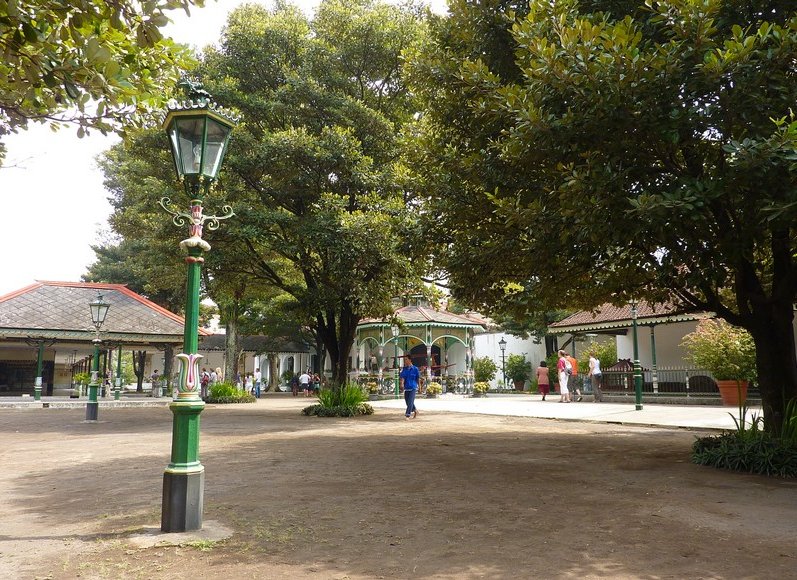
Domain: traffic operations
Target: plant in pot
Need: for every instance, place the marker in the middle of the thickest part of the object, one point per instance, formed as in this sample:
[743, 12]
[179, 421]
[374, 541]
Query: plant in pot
[518, 369]
[728, 352]
[373, 390]
[480, 388]
[484, 369]
[433, 389]
[80, 380]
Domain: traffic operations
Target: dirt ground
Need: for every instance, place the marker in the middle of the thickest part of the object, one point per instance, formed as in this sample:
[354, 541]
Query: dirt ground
[445, 496]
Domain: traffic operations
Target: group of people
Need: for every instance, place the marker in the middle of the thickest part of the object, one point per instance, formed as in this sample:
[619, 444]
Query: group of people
[207, 379]
[306, 383]
[569, 381]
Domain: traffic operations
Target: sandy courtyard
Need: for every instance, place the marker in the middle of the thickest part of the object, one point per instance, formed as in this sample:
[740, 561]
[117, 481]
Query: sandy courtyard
[448, 495]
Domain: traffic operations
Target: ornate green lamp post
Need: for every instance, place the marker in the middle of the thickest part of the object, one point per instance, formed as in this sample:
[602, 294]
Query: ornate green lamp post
[99, 310]
[637, 366]
[198, 133]
[117, 392]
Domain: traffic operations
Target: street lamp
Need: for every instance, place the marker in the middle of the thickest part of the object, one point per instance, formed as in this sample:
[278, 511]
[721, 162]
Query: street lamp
[637, 366]
[198, 133]
[502, 346]
[99, 310]
[394, 330]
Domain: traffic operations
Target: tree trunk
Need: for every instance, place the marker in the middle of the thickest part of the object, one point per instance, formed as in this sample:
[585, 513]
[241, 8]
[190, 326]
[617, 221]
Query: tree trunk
[337, 331]
[232, 343]
[139, 361]
[776, 362]
[168, 364]
[273, 371]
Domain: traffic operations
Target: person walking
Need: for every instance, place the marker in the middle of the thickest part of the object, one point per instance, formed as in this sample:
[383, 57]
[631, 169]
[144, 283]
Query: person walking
[562, 369]
[574, 380]
[408, 380]
[543, 382]
[155, 391]
[258, 380]
[595, 376]
[304, 383]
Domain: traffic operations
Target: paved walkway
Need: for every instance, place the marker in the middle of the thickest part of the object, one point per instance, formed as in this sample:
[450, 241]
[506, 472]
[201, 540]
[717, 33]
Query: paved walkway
[662, 415]
[688, 416]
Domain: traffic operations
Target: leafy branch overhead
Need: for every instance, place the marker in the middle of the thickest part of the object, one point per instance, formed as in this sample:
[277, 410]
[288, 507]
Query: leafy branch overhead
[94, 64]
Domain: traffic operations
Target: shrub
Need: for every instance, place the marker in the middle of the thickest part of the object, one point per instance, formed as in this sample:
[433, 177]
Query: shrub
[224, 393]
[749, 448]
[481, 387]
[434, 389]
[517, 367]
[725, 350]
[752, 452]
[339, 410]
[346, 401]
[484, 369]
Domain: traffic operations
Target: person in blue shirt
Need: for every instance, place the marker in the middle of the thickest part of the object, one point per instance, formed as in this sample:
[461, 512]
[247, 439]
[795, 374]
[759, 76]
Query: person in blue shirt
[408, 379]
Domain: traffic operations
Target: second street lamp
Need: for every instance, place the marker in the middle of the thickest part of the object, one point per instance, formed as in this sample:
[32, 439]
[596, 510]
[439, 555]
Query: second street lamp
[198, 133]
[99, 310]
[502, 346]
[637, 366]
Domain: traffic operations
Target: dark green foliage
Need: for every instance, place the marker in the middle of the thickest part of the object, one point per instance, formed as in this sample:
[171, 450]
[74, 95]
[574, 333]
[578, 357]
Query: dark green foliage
[752, 452]
[223, 393]
[339, 410]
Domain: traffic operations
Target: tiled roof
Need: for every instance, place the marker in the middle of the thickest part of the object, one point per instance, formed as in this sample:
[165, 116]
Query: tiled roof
[421, 315]
[61, 309]
[256, 344]
[611, 316]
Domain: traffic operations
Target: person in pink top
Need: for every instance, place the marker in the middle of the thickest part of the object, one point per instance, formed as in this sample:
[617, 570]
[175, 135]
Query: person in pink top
[561, 368]
[543, 383]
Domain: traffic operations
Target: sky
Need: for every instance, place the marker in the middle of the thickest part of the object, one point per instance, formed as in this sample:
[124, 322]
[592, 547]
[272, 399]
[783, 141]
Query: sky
[51, 191]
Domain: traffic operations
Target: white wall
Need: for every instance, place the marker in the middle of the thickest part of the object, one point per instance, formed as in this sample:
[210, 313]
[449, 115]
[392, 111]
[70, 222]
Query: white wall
[486, 344]
[668, 349]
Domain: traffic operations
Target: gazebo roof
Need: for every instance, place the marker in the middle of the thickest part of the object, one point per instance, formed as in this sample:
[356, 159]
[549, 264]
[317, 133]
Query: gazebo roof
[60, 310]
[418, 315]
[609, 317]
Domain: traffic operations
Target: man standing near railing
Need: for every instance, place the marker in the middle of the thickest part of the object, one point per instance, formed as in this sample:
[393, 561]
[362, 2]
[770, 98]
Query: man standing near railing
[595, 376]
[574, 378]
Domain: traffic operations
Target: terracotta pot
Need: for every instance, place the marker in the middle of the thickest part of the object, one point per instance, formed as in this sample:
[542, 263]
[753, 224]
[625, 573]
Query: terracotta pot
[730, 391]
[519, 385]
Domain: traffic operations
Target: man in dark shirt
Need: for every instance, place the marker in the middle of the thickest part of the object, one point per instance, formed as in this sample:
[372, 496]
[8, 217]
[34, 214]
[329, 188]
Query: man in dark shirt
[408, 378]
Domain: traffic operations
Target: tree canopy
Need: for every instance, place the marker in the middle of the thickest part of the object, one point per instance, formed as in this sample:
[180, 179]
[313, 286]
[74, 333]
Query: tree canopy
[314, 172]
[628, 149]
[93, 63]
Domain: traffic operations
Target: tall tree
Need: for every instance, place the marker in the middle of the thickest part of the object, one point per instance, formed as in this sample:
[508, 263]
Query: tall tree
[314, 171]
[88, 63]
[630, 149]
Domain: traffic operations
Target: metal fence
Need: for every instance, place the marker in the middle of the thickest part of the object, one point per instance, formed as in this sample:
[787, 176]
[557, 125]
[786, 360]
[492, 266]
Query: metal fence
[680, 381]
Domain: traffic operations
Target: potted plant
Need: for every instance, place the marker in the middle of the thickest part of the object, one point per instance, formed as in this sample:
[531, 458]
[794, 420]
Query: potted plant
[484, 369]
[80, 380]
[518, 369]
[373, 390]
[433, 389]
[480, 389]
[728, 353]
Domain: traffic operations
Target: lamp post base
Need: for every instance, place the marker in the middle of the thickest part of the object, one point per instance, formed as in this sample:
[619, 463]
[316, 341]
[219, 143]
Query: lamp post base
[117, 394]
[37, 393]
[92, 408]
[183, 498]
